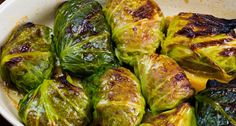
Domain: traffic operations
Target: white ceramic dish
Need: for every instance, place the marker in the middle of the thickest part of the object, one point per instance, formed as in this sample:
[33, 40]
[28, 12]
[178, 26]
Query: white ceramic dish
[14, 12]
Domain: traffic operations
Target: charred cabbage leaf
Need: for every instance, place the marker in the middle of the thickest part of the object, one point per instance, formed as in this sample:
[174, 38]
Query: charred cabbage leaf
[117, 98]
[215, 106]
[27, 58]
[82, 37]
[164, 84]
[203, 44]
[60, 102]
[183, 115]
[137, 27]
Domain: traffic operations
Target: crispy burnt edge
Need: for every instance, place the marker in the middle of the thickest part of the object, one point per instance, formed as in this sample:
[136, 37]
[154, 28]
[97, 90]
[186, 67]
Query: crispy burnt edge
[65, 82]
[148, 10]
[208, 25]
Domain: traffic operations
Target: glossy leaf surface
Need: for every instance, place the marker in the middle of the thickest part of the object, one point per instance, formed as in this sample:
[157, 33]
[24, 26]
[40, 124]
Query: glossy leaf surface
[203, 45]
[215, 105]
[56, 103]
[137, 27]
[164, 84]
[117, 98]
[82, 37]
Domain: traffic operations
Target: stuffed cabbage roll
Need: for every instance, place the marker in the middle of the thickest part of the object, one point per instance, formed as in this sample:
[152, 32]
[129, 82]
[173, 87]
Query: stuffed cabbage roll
[60, 102]
[82, 37]
[27, 58]
[183, 115]
[137, 27]
[215, 106]
[164, 84]
[203, 45]
[117, 98]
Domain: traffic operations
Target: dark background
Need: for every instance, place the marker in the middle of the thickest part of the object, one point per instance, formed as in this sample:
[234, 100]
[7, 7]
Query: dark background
[3, 121]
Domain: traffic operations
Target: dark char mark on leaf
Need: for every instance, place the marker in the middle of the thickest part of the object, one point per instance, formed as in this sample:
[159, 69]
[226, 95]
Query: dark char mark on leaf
[85, 25]
[26, 47]
[207, 24]
[13, 62]
[119, 78]
[216, 84]
[228, 52]
[145, 11]
[180, 76]
[28, 25]
[72, 87]
[164, 116]
[210, 43]
[39, 33]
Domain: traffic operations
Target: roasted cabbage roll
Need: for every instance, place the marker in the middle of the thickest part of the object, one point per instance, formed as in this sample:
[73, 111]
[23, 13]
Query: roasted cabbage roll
[183, 115]
[60, 102]
[215, 106]
[27, 57]
[203, 45]
[164, 84]
[137, 27]
[82, 37]
[117, 98]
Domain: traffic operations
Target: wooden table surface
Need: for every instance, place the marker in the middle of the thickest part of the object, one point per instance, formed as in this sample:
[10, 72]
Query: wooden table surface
[3, 122]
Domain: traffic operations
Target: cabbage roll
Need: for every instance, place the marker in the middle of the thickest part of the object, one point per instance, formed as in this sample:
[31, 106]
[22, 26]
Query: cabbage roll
[27, 57]
[82, 37]
[164, 84]
[203, 45]
[215, 106]
[137, 27]
[117, 98]
[59, 102]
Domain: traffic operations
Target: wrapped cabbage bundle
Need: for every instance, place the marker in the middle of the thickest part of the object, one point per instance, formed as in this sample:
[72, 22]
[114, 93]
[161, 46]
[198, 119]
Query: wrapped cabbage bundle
[137, 27]
[61, 102]
[27, 58]
[117, 98]
[164, 84]
[203, 45]
[215, 106]
[183, 115]
[82, 37]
